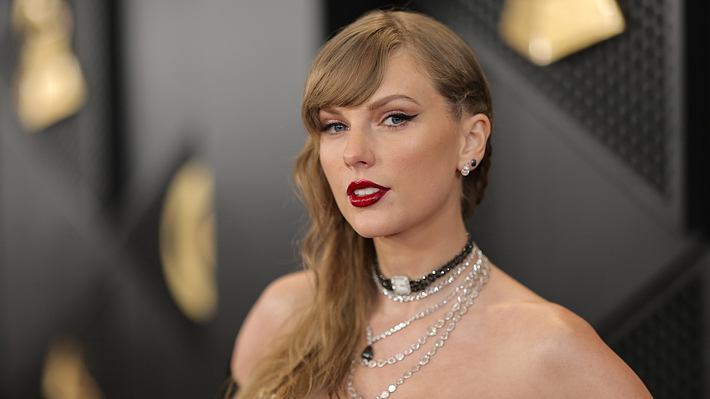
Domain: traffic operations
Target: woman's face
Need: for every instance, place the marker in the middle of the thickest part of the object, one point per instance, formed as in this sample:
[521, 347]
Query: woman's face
[392, 163]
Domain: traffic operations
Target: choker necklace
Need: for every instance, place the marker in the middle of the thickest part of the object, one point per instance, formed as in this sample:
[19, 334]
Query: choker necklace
[402, 285]
[432, 289]
[451, 319]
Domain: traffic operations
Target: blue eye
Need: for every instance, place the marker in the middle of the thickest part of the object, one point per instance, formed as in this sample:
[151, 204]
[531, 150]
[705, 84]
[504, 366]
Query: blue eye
[333, 128]
[398, 119]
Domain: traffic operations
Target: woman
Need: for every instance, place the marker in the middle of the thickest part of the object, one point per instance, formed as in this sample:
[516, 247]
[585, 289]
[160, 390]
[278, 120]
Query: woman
[396, 299]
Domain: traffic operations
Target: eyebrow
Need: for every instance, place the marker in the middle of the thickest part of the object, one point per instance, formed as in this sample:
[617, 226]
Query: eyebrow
[385, 100]
[378, 103]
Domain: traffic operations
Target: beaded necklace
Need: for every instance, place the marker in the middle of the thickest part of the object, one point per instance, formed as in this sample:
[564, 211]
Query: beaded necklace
[402, 285]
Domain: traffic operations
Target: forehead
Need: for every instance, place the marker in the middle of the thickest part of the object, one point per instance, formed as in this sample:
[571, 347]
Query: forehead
[404, 72]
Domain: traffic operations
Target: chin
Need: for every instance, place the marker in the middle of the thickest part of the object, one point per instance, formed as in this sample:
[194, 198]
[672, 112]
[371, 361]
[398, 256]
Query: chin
[373, 227]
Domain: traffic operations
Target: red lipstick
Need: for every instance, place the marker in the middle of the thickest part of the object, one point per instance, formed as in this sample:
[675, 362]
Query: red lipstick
[368, 198]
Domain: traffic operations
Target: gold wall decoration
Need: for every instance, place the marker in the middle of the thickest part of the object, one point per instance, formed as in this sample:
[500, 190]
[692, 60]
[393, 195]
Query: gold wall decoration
[545, 31]
[65, 375]
[49, 83]
[187, 241]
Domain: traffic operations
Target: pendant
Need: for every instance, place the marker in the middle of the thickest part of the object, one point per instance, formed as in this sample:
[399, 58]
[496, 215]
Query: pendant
[368, 354]
[400, 285]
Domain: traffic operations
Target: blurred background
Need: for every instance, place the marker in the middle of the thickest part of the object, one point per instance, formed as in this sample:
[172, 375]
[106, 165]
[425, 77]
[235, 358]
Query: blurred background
[145, 196]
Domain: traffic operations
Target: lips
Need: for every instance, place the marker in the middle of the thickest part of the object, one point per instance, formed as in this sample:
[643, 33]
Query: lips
[368, 193]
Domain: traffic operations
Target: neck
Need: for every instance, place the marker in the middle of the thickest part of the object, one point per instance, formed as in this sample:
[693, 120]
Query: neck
[419, 250]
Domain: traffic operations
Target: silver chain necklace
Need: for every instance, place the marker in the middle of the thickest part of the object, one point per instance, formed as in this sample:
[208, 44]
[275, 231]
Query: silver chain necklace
[400, 326]
[432, 331]
[458, 310]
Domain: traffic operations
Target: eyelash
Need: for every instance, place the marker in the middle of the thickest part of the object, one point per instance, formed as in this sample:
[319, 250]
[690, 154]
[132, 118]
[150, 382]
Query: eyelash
[405, 117]
[400, 115]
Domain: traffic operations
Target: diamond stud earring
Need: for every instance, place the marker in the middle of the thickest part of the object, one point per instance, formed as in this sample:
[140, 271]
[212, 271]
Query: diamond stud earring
[467, 167]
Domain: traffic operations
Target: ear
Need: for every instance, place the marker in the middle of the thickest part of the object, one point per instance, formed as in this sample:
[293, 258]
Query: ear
[475, 131]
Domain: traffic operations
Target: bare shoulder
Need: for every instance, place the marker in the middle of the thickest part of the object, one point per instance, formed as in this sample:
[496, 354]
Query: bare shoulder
[565, 349]
[553, 351]
[269, 317]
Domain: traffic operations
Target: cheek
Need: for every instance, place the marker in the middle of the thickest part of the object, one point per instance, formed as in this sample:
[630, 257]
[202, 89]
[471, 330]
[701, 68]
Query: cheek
[427, 180]
[426, 164]
[328, 162]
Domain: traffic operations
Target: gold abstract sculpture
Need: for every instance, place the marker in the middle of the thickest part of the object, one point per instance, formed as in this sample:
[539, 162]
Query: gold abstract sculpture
[545, 31]
[187, 241]
[50, 85]
[65, 375]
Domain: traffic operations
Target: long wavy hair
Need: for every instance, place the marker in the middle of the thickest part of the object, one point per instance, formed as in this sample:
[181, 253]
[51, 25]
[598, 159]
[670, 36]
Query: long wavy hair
[316, 354]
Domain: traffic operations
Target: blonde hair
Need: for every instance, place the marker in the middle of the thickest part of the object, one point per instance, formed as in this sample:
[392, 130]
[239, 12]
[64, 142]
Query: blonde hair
[316, 354]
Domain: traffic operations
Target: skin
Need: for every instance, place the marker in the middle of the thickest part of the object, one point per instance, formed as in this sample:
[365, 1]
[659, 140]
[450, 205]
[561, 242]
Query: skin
[512, 343]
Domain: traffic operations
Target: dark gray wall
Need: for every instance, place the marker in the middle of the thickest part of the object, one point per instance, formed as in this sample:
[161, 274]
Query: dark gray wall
[218, 80]
[51, 186]
[228, 77]
[221, 81]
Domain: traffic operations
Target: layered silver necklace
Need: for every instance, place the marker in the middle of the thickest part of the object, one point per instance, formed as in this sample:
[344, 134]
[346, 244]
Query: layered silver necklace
[431, 331]
[465, 294]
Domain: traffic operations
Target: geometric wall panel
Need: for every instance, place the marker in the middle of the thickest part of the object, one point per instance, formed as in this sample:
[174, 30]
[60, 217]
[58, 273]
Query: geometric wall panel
[616, 89]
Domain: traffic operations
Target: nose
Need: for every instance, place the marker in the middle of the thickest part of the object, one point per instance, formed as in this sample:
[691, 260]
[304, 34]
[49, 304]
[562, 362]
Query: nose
[358, 149]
